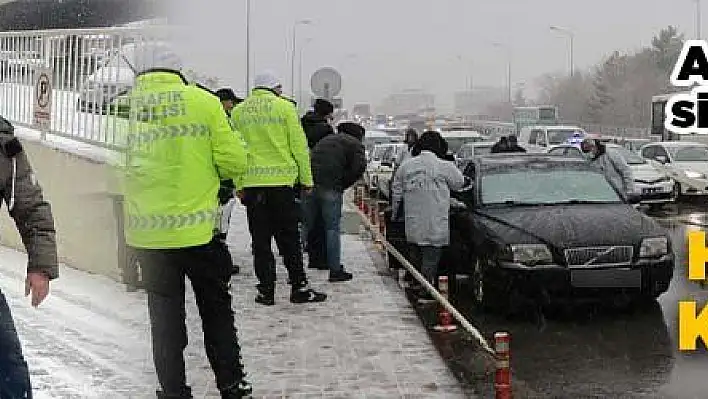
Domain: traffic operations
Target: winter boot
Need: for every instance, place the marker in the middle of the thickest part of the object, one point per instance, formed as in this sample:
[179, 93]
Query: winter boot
[340, 276]
[242, 390]
[266, 296]
[302, 293]
[186, 393]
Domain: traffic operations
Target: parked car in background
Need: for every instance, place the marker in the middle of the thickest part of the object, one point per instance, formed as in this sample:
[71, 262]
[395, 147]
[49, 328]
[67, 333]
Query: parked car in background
[542, 227]
[388, 164]
[653, 186]
[381, 163]
[470, 150]
[457, 138]
[684, 161]
[540, 138]
[634, 145]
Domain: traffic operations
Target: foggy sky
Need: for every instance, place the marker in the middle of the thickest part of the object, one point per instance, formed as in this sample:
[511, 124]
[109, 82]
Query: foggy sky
[381, 46]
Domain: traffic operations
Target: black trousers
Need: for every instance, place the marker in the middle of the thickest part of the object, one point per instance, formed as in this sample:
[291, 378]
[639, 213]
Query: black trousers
[208, 268]
[14, 375]
[273, 213]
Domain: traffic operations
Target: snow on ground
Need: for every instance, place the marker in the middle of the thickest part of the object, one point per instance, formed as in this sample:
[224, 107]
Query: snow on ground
[90, 338]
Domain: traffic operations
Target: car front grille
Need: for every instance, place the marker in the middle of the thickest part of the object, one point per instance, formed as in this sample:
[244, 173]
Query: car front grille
[599, 256]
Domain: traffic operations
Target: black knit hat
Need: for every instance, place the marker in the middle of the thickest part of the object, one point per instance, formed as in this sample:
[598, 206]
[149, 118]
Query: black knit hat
[430, 141]
[228, 95]
[352, 129]
[323, 107]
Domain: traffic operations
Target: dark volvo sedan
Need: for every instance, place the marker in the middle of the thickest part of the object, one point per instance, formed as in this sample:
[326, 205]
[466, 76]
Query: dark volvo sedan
[549, 228]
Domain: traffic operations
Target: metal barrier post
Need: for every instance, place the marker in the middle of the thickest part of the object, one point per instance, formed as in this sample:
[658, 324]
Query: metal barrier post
[502, 377]
[445, 320]
[373, 211]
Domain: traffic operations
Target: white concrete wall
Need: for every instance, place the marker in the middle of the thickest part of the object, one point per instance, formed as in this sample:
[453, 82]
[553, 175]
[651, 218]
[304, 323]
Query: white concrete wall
[78, 190]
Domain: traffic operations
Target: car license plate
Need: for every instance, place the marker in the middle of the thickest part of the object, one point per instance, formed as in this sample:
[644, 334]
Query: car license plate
[606, 278]
[650, 190]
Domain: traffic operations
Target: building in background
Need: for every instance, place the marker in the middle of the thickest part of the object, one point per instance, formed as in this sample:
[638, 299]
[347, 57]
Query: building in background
[410, 101]
[477, 100]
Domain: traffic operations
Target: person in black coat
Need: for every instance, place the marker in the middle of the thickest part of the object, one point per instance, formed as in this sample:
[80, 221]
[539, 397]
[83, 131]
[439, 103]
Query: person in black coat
[501, 146]
[316, 123]
[513, 145]
[338, 162]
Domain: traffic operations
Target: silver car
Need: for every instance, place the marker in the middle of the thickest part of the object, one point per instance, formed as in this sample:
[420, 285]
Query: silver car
[654, 187]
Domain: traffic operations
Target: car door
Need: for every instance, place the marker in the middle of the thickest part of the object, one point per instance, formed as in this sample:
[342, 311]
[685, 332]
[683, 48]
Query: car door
[557, 151]
[573, 152]
[372, 168]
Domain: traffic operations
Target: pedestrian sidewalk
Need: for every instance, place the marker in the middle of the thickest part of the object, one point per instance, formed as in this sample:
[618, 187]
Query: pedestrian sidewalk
[91, 338]
[365, 341]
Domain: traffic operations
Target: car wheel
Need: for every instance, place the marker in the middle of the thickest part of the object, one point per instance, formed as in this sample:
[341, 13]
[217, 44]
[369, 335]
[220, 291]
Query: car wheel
[676, 192]
[479, 286]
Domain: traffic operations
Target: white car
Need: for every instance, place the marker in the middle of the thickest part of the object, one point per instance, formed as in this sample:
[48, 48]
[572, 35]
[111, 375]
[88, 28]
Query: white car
[653, 186]
[684, 161]
[380, 163]
[116, 76]
[471, 150]
[540, 139]
[388, 164]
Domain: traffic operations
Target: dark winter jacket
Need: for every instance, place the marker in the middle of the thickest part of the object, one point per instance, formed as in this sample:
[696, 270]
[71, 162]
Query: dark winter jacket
[338, 161]
[32, 214]
[315, 127]
[514, 148]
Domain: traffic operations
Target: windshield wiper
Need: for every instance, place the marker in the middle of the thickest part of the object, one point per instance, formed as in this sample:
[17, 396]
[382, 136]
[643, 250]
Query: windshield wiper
[579, 202]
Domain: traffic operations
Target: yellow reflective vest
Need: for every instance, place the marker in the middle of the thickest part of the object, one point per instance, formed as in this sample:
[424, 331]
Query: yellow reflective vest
[179, 147]
[277, 148]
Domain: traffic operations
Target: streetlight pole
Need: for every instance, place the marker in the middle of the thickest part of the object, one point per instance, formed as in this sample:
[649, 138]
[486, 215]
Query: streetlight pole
[571, 37]
[299, 89]
[248, 47]
[698, 19]
[294, 50]
[507, 49]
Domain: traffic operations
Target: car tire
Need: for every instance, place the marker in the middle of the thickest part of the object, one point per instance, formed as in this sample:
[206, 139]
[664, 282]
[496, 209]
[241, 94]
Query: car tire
[480, 288]
[677, 193]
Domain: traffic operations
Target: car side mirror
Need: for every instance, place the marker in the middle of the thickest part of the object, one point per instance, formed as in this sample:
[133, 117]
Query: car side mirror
[662, 159]
[634, 199]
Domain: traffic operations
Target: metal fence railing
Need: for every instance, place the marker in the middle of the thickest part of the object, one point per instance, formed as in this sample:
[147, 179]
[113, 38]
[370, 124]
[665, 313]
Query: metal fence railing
[92, 70]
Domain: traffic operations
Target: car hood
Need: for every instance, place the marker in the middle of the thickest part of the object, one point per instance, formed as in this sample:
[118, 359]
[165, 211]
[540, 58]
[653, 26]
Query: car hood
[646, 173]
[700, 167]
[565, 226]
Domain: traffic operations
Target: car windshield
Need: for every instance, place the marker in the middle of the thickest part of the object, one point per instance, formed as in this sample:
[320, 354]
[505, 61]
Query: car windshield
[481, 150]
[454, 143]
[545, 186]
[558, 136]
[628, 156]
[690, 154]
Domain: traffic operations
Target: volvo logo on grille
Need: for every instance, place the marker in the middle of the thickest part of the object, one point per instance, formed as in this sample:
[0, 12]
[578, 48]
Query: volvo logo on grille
[598, 255]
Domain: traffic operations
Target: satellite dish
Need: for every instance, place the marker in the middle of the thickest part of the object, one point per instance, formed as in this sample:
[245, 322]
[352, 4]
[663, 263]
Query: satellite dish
[326, 82]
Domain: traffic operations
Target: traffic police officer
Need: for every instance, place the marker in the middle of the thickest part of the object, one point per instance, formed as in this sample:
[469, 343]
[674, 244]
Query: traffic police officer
[180, 145]
[278, 160]
[33, 217]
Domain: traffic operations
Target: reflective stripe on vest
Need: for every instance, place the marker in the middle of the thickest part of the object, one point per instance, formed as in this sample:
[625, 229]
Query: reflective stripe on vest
[194, 130]
[169, 222]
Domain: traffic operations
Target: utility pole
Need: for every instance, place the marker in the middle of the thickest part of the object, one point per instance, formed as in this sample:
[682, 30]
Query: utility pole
[571, 37]
[698, 19]
[248, 47]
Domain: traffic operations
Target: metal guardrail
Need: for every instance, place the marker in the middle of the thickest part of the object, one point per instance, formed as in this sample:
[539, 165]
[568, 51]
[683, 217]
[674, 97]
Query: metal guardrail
[91, 69]
[389, 248]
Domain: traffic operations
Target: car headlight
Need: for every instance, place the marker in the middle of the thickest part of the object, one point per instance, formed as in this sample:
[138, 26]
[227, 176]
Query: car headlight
[694, 175]
[653, 247]
[528, 254]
